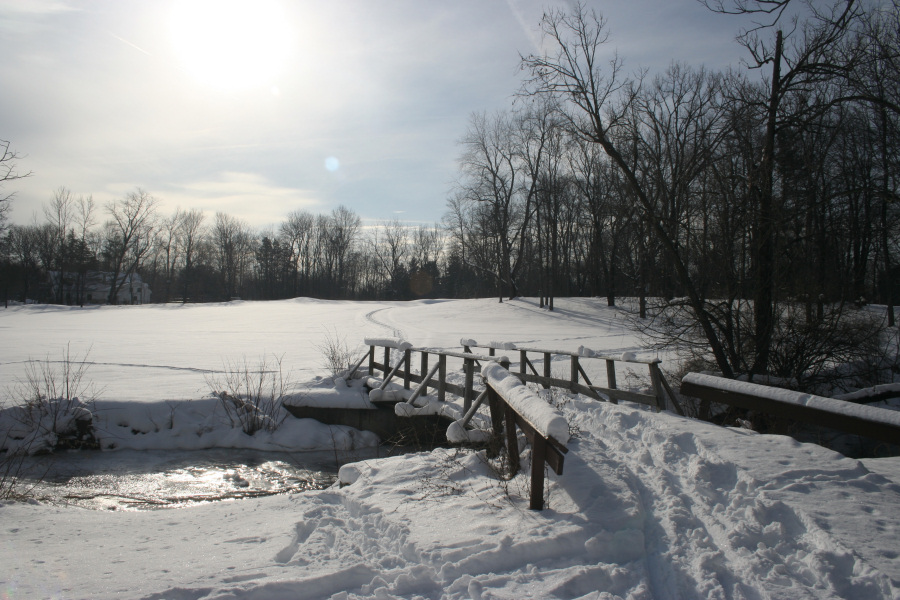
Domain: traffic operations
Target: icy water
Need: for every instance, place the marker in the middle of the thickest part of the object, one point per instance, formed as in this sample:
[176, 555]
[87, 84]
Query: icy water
[152, 479]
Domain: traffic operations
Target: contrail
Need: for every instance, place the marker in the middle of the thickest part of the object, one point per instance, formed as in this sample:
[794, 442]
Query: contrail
[138, 48]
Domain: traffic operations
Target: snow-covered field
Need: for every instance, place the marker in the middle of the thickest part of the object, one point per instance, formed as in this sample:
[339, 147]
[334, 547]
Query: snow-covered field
[650, 506]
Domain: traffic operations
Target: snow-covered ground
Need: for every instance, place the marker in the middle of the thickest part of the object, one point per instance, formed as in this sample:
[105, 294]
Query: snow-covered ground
[650, 506]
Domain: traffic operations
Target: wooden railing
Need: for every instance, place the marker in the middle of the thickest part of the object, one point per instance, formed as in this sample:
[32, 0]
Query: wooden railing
[869, 421]
[662, 396]
[435, 377]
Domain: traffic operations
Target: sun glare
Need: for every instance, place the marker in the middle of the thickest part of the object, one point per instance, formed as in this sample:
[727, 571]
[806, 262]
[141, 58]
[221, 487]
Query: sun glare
[231, 44]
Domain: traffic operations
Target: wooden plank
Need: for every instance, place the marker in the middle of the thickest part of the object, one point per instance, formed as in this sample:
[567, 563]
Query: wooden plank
[584, 375]
[555, 451]
[407, 355]
[611, 374]
[442, 378]
[529, 363]
[626, 395]
[640, 361]
[469, 368]
[538, 455]
[655, 376]
[672, 396]
[512, 441]
[560, 383]
[815, 416]
[495, 405]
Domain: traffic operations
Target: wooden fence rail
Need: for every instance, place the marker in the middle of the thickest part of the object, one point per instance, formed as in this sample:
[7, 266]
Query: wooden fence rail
[662, 396]
[869, 421]
[578, 381]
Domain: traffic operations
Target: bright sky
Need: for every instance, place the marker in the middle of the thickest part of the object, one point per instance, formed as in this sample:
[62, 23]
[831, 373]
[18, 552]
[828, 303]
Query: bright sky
[260, 108]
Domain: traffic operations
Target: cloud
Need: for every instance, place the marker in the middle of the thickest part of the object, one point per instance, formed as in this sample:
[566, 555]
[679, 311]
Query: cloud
[247, 196]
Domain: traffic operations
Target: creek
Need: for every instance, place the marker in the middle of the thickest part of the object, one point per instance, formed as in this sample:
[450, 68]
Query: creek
[155, 479]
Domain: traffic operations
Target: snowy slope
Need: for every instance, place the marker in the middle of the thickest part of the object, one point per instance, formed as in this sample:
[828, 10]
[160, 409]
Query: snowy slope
[650, 506]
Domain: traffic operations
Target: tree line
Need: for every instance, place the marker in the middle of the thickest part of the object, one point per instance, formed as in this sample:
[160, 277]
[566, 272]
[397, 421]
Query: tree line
[186, 257]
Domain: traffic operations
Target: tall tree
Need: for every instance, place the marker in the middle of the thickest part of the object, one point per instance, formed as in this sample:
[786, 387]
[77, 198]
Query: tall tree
[129, 237]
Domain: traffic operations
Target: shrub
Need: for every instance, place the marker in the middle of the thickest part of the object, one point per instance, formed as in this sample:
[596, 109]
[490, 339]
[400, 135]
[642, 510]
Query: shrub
[47, 415]
[336, 354]
[252, 395]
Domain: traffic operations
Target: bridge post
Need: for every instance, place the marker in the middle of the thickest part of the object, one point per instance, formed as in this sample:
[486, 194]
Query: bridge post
[656, 377]
[407, 355]
[469, 368]
[573, 371]
[611, 378]
[496, 410]
[538, 456]
[371, 360]
[442, 377]
[547, 365]
[387, 360]
[512, 441]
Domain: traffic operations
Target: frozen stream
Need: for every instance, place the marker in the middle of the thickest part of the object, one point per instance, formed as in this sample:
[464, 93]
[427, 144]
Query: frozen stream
[151, 479]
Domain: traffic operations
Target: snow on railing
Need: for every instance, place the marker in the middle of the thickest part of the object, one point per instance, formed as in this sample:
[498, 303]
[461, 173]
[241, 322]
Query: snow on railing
[661, 398]
[870, 421]
[534, 409]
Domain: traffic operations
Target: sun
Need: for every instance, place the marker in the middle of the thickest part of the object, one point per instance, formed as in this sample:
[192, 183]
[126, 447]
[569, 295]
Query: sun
[231, 44]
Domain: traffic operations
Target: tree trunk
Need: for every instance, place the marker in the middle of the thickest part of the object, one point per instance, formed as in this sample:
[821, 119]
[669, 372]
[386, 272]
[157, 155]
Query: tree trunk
[764, 246]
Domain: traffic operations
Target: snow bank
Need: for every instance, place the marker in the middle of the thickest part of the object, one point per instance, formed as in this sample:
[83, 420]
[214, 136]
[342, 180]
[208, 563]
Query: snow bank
[536, 411]
[342, 394]
[859, 411]
[467, 342]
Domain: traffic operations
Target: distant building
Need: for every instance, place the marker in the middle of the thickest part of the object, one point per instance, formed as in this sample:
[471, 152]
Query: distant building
[94, 288]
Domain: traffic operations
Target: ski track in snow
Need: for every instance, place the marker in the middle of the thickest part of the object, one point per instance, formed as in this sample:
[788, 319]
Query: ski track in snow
[370, 317]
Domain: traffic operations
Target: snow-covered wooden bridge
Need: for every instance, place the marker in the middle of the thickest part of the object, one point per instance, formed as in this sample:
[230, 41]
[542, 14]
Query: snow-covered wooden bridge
[403, 399]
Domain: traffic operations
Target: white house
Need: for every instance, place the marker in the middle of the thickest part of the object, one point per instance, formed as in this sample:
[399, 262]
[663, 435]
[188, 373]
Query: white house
[132, 291]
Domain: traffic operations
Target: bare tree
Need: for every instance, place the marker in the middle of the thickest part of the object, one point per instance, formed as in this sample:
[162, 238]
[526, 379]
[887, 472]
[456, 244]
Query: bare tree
[596, 102]
[233, 240]
[389, 247]
[190, 234]
[128, 236]
[8, 173]
[343, 230]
